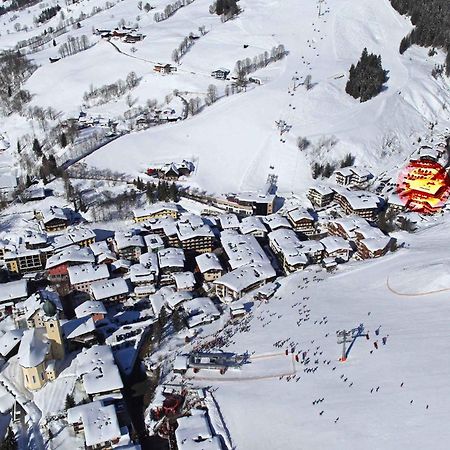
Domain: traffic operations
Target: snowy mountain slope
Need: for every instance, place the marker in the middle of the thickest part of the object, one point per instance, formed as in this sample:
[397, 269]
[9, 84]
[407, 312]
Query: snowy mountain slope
[410, 408]
[240, 131]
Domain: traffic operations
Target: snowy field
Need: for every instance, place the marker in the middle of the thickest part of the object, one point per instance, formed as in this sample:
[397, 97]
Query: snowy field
[393, 397]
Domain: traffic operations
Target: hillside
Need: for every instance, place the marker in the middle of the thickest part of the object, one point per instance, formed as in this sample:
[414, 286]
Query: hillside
[238, 132]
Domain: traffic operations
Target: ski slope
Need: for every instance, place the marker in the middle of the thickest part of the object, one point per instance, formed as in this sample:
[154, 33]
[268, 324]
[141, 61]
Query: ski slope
[271, 404]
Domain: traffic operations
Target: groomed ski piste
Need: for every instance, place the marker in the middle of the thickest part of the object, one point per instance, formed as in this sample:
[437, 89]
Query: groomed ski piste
[388, 395]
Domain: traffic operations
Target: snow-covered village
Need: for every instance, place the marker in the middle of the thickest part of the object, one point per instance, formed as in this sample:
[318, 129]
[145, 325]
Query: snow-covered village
[224, 224]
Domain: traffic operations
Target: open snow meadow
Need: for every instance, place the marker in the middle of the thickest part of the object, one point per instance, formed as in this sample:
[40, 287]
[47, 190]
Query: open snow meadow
[194, 212]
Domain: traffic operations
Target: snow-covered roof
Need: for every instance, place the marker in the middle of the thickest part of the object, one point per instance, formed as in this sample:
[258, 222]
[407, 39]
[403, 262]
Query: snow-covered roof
[275, 221]
[36, 238]
[99, 371]
[52, 213]
[187, 231]
[289, 245]
[361, 199]
[244, 277]
[78, 327]
[194, 432]
[335, 243]
[184, 280]
[33, 348]
[153, 242]
[242, 249]
[300, 213]
[73, 254]
[125, 240]
[102, 290]
[229, 221]
[251, 224]
[321, 189]
[90, 307]
[374, 244]
[200, 310]
[73, 235]
[9, 340]
[255, 197]
[13, 291]
[155, 209]
[150, 261]
[99, 247]
[142, 274]
[207, 262]
[100, 422]
[86, 273]
[175, 299]
[171, 257]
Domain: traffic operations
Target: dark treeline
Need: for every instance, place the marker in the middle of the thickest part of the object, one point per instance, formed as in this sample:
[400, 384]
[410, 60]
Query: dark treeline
[431, 20]
[366, 78]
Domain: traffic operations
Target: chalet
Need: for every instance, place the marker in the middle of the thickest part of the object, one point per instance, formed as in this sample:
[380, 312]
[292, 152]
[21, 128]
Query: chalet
[209, 266]
[99, 373]
[337, 248]
[220, 74]
[243, 250]
[352, 176]
[195, 237]
[77, 235]
[184, 281]
[361, 203]
[53, 219]
[346, 226]
[80, 333]
[12, 293]
[144, 275]
[288, 248]
[196, 428]
[156, 211]
[132, 38]
[229, 222]
[164, 68]
[395, 204]
[82, 276]
[128, 246]
[57, 265]
[169, 172]
[276, 221]
[108, 291]
[320, 195]
[199, 311]
[233, 285]
[170, 260]
[91, 308]
[302, 221]
[98, 423]
[374, 247]
[253, 225]
[34, 241]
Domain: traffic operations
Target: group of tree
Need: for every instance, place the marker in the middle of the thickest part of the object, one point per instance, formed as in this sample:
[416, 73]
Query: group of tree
[227, 9]
[303, 143]
[74, 45]
[15, 69]
[147, 7]
[184, 46]
[170, 10]
[49, 168]
[108, 92]
[162, 191]
[246, 66]
[431, 20]
[366, 78]
[48, 13]
[322, 170]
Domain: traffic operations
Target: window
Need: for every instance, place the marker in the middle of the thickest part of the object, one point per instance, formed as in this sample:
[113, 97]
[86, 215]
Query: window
[34, 379]
[51, 325]
[42, 376]
[26, 377]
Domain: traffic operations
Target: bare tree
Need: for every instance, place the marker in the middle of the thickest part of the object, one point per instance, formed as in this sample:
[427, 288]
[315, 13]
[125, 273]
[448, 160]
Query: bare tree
[211, 94]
